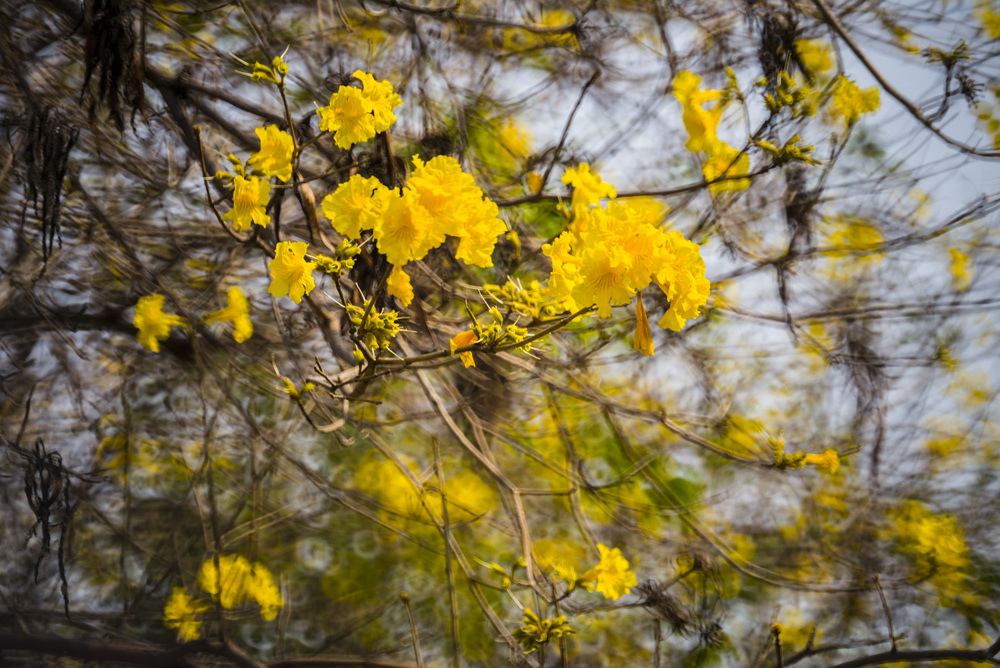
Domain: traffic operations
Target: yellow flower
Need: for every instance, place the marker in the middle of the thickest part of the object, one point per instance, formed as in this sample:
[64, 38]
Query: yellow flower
[290, 273]
[643, 339]
[236, 581]
[828, 461]
[699, 122]
[250, 195]
[456, 206]
[961, 270]
[611, 575]
[349, 116]
[724, 160]
[399, 286]
[682, 279]
[851, 102]
[405, 231]
[153, 324]
[353, 206]
[462, 339]
[275, 155]
[381, 100]
[237, 311]
[181, 613]
[478, 232]
[587, 189]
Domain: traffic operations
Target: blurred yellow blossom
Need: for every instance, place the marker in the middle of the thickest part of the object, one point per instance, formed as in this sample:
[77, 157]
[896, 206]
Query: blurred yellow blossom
[699, 122]
[235, 581]
[181, 613]
[851, 102]
[961, 270]
[236, 311]
[611, 575]
[815, 55]
[726, 162]
[153, 324]
[827, 462]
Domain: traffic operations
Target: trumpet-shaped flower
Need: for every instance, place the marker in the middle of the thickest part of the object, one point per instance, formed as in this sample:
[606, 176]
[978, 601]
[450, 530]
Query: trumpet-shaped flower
[291, 274]
[236, 311]
[405, 231]
[353, 206]
[153, 324]
[699, 122]
[181, 613]
[460, 340]
[275, 155]
[611, 575]
[399, 286]
[381, 99]
[588, 189]
[250, 195]
[348, 116]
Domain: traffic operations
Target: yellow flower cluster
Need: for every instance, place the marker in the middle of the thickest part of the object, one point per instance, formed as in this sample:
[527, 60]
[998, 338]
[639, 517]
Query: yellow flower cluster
[356, 115]
[250, 196]
[439, 200]
[722, 160]
[153, 324]
[233, 582]
[617, 253]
